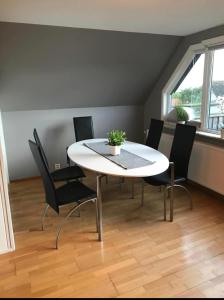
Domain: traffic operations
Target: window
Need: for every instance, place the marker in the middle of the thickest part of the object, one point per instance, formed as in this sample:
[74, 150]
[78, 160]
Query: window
[198, 86]
[188, 91]
[216, 91]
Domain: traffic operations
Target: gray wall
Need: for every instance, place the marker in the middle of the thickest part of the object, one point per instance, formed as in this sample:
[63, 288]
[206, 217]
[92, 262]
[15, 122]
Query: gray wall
[43, 67]
[56, 131]
[49, 73]
[153, 104]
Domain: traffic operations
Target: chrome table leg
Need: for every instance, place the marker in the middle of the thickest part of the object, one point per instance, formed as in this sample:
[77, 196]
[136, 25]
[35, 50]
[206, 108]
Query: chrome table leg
[99, 207]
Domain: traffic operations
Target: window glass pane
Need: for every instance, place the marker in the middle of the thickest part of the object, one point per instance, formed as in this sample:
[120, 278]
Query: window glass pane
[216, 95]
[189, 93]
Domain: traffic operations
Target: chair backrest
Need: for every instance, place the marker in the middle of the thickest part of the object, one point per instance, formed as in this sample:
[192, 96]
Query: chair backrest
[46, 177]
[83, 128]
[181, 148]
[37, 140]
[154, 134]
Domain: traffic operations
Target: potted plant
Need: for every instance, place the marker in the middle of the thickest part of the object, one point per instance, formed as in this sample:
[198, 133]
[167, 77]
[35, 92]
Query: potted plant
[182, 115]
[115, 139]
[222, 130]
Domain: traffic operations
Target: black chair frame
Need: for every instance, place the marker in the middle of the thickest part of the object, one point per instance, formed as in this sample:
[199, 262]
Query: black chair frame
[181, 168]
[52, 193]
[152, 140]
[64, 174]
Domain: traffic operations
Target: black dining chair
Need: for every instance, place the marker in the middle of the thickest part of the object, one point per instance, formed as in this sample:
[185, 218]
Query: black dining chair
[152, 139]
[72, 192]
[64, 174]
[83, 127]
[154, 133]
[177, 172]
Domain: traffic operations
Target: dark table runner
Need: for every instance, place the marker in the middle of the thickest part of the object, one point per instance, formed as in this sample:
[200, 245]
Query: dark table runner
[126, 159]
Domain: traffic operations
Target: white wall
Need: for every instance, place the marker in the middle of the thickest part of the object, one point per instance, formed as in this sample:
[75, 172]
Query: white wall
[6, 232]
[3, 148]
[56, 131]
[206, 163]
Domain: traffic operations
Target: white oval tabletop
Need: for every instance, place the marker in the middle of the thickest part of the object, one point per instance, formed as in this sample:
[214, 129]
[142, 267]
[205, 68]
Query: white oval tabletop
[88, 159]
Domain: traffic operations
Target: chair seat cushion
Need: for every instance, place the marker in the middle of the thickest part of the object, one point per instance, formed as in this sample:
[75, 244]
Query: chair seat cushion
[69, 173]
[73, 192]
[162, 179]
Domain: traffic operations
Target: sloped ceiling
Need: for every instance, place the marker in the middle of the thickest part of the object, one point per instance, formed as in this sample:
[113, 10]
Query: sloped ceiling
[44, 67]
[174, 17]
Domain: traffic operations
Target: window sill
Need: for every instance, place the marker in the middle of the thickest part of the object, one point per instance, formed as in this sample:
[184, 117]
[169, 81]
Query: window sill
[205, 137]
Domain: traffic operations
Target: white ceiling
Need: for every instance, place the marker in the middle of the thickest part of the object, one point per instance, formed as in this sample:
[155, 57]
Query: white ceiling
[174, 17]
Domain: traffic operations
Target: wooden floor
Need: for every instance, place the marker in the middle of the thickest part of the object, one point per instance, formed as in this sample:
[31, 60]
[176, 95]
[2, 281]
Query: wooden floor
[141, 256]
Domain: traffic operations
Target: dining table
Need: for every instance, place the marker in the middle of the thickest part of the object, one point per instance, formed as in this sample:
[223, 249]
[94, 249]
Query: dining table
[85, 156]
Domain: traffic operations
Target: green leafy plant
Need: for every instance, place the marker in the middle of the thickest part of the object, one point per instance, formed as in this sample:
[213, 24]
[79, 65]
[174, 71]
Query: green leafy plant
[116, 137]
[182, 114]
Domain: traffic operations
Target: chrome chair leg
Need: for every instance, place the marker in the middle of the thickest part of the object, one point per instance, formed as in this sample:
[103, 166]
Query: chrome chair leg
[78, 215]
[171, 197]
[188, 192]
[172, 182]
[121, 182]
[164, 202]
[142, 198]
[122, 179]
[66, 218]
[44, 215]
[171, 204]
[97, 216]
[132, 190]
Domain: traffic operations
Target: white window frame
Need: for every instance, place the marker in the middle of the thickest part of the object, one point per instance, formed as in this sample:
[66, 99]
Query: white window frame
[202, 47]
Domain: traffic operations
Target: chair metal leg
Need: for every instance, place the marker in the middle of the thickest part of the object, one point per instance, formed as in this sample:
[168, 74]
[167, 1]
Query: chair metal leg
[44, 215]
[168, 193]
[78, 215]
[97, 217]
[132, 190]
[66, 218]
[171, 204]
[171, 190]
[185, 189]
[188, 192]
[121, 181]
[164, 202]
[142, 199]
[171, 197]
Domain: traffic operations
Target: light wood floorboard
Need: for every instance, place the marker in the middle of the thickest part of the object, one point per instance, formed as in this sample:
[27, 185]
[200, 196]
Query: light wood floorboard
[141, 256]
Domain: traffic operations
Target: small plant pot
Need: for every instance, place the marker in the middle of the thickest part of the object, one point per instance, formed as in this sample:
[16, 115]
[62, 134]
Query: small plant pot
[222, 133]
[181, 122]
[115, 150]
